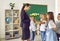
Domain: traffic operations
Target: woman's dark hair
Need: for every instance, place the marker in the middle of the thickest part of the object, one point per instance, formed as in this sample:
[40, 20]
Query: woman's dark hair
[51, 16]
[25, 5]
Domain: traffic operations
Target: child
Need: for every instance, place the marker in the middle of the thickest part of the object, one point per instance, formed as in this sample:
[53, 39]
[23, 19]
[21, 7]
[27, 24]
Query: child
[32, 28]
[43, 26]
[51, 28]
[58, 26]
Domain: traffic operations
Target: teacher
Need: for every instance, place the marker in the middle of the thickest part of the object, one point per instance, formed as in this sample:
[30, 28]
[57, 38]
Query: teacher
[25, 22]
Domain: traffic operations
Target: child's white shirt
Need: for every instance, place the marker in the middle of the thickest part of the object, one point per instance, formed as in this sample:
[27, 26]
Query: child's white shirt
[51, 24]
[58, 26]
[43, 26]
[32, 26]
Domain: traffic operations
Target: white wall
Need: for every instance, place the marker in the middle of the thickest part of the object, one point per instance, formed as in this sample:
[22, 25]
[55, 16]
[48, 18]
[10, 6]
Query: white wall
[58, 6]
[4, 4]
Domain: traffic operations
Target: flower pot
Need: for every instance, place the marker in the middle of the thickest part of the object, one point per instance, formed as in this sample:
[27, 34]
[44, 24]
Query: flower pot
[12, 8]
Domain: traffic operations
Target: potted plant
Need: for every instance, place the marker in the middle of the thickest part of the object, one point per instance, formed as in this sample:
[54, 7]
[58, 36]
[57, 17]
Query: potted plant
[12, 5]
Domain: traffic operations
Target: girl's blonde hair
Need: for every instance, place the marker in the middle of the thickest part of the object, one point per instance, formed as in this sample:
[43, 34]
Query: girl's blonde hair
[44, 16]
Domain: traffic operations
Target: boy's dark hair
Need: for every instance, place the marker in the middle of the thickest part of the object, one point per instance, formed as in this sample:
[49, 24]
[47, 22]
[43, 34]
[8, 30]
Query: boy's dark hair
[58, 13]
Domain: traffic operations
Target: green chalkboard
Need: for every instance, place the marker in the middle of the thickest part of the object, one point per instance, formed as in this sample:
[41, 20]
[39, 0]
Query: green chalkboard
[39, 9]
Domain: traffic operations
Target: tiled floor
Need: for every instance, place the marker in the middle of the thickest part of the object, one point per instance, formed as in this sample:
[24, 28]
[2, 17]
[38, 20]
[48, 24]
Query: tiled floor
[37, 38]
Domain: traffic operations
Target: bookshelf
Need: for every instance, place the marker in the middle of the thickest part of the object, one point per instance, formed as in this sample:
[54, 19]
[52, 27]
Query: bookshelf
[12, 24]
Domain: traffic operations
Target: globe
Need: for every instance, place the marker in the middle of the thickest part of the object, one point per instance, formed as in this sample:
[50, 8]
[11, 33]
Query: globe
[8, 20]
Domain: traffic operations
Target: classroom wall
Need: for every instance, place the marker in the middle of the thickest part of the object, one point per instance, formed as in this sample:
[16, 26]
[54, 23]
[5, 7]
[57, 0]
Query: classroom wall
[58, 6]
[4, 4]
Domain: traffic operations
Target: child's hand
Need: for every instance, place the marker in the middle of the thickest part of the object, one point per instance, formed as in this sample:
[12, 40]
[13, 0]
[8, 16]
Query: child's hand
[42, 22]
